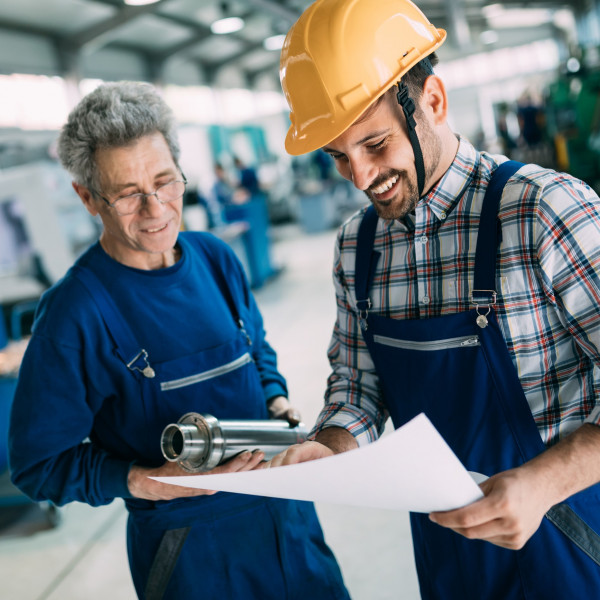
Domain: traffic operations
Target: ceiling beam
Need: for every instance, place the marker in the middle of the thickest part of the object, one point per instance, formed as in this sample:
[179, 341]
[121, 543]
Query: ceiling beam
[275, 8]
[98, 35]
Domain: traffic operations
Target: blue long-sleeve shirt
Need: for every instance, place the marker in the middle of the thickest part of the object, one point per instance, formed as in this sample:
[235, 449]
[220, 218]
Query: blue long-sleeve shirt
[78, 419]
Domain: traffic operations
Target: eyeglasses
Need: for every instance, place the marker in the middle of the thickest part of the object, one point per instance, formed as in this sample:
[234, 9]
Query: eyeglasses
[165, 194]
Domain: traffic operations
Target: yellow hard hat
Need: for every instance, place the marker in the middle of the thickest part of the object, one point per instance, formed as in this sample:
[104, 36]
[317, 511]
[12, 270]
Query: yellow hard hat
[340, 56]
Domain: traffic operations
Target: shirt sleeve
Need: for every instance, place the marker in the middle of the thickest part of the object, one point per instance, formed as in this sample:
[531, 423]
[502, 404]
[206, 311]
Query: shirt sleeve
[352, 398]
[567, 234]
[51, 457]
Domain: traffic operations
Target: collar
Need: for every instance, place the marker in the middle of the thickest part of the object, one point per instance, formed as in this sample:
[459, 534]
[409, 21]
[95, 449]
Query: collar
[443, 197]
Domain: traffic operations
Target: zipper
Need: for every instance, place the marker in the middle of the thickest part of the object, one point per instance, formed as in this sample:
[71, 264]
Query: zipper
[174, 384]
[457, 342]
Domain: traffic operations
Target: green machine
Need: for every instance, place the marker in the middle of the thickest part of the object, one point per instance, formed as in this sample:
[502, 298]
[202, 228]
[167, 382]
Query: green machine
[573, 120]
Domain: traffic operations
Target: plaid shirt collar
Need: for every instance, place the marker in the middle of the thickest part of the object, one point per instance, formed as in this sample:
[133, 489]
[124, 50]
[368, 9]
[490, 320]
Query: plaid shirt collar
[443, 197]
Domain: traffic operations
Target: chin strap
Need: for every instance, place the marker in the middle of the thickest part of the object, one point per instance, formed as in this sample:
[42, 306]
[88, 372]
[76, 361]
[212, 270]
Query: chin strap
[408, 107]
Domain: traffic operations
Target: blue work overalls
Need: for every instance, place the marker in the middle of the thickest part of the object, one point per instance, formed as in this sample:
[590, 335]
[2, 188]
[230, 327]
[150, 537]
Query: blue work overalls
[459, 373]
[222, 546]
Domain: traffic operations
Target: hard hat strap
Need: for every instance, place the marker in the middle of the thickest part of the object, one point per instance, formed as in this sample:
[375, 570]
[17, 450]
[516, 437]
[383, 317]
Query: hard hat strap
[408, 107]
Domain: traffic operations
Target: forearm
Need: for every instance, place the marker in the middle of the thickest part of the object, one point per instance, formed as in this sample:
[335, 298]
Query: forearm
[82, 474]
[570, 466]
[337, 439]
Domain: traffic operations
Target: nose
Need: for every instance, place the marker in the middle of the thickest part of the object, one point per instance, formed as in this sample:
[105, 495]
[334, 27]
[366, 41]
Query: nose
[151, 204]
[362, 172]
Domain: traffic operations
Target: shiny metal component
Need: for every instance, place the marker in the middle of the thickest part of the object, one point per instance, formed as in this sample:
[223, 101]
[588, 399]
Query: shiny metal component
[200, 442]
[482, 321]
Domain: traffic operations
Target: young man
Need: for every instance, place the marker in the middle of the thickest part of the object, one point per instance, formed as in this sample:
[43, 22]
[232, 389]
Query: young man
[481, 313]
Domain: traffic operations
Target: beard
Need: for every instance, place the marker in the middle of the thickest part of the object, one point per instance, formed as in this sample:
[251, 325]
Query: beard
[402, 203]
[406, 198]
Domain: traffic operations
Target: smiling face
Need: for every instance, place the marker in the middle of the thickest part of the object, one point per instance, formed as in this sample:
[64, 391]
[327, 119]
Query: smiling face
[145, 239]
[376, 155]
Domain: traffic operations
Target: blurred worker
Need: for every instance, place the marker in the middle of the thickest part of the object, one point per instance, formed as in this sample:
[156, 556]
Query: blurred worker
[248, 179]
[222, 190]
[486, 319]
[150, 324]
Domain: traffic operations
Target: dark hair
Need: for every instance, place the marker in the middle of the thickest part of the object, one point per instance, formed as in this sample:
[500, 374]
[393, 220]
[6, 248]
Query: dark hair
[415, 77]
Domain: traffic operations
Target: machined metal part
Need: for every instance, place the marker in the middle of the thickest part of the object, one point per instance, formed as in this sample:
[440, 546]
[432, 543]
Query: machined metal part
[200, 442]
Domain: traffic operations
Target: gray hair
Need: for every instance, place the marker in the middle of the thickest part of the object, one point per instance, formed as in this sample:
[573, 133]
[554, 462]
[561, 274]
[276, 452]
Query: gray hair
[113, 115]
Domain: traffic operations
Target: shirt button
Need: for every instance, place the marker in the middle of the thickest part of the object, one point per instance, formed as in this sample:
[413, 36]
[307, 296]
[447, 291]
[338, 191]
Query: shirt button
[425, 300]
[423, 239]
[443, 216]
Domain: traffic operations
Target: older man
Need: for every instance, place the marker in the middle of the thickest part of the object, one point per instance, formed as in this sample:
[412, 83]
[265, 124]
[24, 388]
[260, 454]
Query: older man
[148, 325]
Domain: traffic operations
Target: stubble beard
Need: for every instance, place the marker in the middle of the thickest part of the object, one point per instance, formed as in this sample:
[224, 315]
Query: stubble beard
[397, 208]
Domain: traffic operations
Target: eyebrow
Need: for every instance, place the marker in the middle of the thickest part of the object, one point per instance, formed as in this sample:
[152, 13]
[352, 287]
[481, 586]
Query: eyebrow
[367, 138]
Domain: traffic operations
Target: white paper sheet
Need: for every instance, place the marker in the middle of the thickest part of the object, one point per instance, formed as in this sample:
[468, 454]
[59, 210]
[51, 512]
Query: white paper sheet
[410, 469]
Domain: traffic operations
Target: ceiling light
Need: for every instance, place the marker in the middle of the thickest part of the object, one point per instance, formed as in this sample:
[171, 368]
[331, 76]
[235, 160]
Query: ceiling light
[139, 2]
[511, 18]
[227, 25]
[573, 65]
[275, 42]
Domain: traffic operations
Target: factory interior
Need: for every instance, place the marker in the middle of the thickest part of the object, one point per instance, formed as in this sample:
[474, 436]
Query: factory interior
[523, 80]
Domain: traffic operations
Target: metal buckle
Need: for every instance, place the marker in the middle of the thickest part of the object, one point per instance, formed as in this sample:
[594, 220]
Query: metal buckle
[492, 297]
[481, 319]
[363, 313]
[146, 371]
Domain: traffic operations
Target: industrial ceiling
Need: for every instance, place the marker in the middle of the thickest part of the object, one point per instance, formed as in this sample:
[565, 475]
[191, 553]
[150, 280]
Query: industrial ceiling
[172, 41]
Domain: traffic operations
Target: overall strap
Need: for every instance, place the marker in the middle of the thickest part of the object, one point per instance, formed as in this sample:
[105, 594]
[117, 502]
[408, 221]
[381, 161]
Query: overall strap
[223, 286]
[126, 346]
[365, 262]
[164, 562]
[489, 236]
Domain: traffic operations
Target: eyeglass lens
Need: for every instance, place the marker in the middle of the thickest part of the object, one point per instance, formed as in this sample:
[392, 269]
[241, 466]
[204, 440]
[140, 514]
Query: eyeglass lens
[165, 193]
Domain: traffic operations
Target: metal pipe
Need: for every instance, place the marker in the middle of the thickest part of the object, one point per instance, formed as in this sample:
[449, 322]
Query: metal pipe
[200, 442]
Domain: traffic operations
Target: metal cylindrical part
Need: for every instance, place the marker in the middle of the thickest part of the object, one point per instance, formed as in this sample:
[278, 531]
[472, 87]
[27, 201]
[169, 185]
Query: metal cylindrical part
[200, 442]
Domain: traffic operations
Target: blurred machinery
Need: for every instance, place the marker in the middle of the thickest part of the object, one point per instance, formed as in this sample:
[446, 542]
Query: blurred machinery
[573, 117]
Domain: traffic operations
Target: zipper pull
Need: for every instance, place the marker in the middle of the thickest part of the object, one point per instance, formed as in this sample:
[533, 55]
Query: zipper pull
[243, 330]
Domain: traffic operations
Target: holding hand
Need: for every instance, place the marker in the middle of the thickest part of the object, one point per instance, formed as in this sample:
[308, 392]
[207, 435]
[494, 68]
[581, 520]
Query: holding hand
[328, 442]
[508, 515]
[141, 486]
[280, 408]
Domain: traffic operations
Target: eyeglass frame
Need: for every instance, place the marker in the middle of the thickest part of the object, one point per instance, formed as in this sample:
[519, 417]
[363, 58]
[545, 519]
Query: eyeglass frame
[143, 195]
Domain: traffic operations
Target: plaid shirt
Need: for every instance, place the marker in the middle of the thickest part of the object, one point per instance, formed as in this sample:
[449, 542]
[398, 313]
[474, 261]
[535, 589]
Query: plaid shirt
[548, 283]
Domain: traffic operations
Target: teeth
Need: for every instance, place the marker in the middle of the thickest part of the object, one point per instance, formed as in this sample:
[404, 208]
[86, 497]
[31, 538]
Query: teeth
[384, 187]
[155, 230]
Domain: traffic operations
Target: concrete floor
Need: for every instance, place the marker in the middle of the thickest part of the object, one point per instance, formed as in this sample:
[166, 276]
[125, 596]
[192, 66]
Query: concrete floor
[85, 557]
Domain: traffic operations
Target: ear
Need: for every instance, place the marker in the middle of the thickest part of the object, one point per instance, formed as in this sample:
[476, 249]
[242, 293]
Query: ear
[87, 198]
[434, 99]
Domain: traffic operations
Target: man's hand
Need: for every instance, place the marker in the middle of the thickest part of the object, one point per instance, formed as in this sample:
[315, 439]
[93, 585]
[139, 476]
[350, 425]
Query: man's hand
[141, 486]
[516, 500]
[508, 515]
[298, 453]
[280, 408]
[328, 442]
